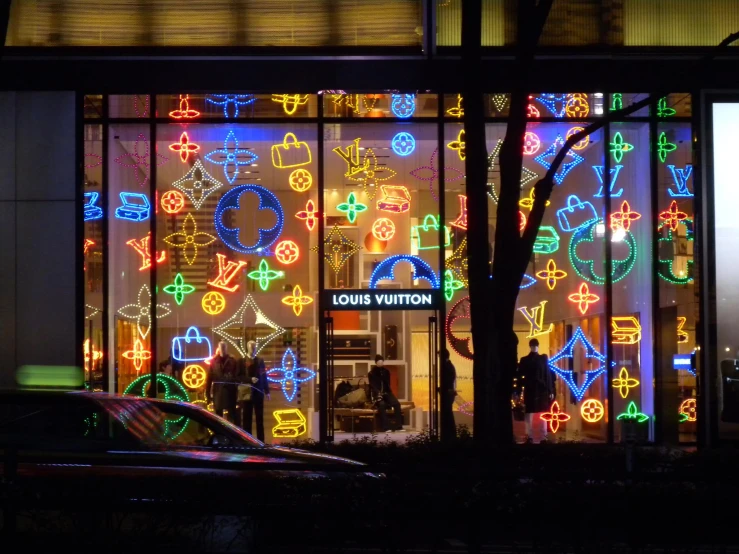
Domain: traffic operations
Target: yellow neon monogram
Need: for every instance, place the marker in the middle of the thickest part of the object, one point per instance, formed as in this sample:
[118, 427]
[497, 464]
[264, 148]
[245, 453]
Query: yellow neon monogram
[536, 320]
[290, 102]
[351, 156]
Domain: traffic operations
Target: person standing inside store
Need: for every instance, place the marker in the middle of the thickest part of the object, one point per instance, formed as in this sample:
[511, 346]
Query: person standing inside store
[253, 390]
[535, 382]
[382, 395]
[448, 392]
[222, 382]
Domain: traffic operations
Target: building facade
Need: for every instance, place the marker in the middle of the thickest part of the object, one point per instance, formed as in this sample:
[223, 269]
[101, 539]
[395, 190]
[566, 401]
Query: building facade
[162, 194]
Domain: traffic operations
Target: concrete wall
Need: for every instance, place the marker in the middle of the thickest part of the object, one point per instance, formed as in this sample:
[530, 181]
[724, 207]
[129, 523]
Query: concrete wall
[38, 296]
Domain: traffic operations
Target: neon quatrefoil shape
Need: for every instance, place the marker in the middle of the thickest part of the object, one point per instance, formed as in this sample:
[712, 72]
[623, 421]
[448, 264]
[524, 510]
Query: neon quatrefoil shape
[568, 375]
[230, 236]
[586, 268]
[386, 270]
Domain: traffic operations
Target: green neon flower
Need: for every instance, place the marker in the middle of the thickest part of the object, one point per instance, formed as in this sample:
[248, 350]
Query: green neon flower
[617, 103]
[664, 147]
[351, 207]
[619, 147]
[451, 285]
[633, 413]
[264, 275]
[663, 110]
[179, 289]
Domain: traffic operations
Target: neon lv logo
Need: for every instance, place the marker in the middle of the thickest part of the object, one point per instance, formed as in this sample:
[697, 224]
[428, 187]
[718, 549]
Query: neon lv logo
[599, 171]
[351, 156]
[680, 177]
[536, 320]
[142, 247]
[227, 271]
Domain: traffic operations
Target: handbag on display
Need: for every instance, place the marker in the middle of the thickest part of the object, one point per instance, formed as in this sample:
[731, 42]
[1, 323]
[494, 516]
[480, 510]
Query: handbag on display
[192, 347]
[243, 393]
[576, 214]
[291, 153]
[429, 229]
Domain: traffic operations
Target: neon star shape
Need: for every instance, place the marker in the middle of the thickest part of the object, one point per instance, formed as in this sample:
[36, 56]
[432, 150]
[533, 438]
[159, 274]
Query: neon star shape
[457, 262]
[451, 285]
[308, 215]
[548, 156]
[664, 147]
[459, 145]
[233, 329]
[288, 375]
[139, 162]
[226, 100]
[351, 207]
[499, 101]
[568, 375]
[461, 221]
[189, 239]
[184, 111]
[554, 417]
[528, 202]
[231, 157]
[673, 216]
[623, 382]
[632, 413]
[550, 101]
[197, 184]
[338, 248]
[430, 173]
[583, 298]
[297, 300]
[179, 289]
[290, 102]
[138, 354]
[372, 175]
[141, 311]
[623, 218]
[618, 147]
[264, 275]
[551, 274]
[526, 174]
[184, 147]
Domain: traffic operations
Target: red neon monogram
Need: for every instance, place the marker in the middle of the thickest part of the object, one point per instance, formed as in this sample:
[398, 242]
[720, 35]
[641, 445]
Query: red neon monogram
[623, 219]
[138, 354]
[184, 112]
[673, 216]
[227, 271]
[554, 417]
[142, 247]
[308, 215]
[583, 298]
[184, 147]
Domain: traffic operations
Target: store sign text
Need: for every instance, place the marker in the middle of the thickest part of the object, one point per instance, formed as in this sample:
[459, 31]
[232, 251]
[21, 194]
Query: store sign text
[382, 299]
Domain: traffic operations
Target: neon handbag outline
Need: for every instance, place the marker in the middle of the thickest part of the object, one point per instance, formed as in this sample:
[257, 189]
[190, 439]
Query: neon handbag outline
[547, 240]
[183, 348]
[396, 199]
[135, 207]
[280, 150]
[565, 216]
[430, 223]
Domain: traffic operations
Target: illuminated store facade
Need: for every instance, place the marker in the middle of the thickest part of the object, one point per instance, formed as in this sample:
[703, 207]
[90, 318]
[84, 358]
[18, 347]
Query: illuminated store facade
[331, 226]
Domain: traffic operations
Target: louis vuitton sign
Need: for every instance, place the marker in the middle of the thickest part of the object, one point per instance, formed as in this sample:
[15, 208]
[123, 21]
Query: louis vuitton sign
[383, 299]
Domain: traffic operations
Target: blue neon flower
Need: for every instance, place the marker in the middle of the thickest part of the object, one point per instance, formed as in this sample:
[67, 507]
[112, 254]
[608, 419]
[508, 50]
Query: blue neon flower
[231, 157]
[226, 99]
[289, 375]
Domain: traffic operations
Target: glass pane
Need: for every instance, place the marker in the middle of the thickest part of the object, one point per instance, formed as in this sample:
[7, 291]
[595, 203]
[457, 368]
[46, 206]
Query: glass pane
[129, 105]
[188, 108]
[394, 105]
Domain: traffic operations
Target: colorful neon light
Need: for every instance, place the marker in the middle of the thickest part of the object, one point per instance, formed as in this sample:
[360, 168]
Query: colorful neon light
[532, 112]
[666, 269]
[288, 375]
[664, 147]
[172, 391]
[287, 252]
[395, 199]
[459, 145]
[138, 354]
[547, 240]
[227, 272]
[673, 216]
[461, 221]
[528, 202]
[462, 346]
[403, 144]
[526, 174]
[430, 172]
[618, 147]
[179, 289]
[689, 409]
[194, 376]
[385, 270]
[531, 143]
[617, 101]
[457, 262]
[568, 375]
[351, 207]
[349, 100]
[184, 147]
[231, 236]
[521, 221]
[231, 157]
[583, 143]
[91, 211]
[189, 239]
[565, 168]
[554, 417]
[430, 227]
[290, 143]
[86, 245]
[184, 111]
[185, 349]
[142, 247]
[231, 329]
[550, 102]
[499, 102]
[624, 383]
[300, 180]
[577, 107]
[197, 184]
[682, 336]
[623, 218]
[98, 160]
[535, 319]
[586, 268]
[134, 207]
[592, 410]
[338, 248]
[383, 229]
[297, 300]
[566, 216]
[451, 285]
[614, 172]
[290, 102]
[632, 413]
[625, 330]
[458, 110]
[264, 275]
[138, 161]
[290, 424]
[90, 354]
[308, 215]
[350, 155]
[551, 274]
[141, 311]
[403, 105]
[226, 99]
[372, 174]
[172, 201]
[680, 178]
[663, 110]
[583, 298]
[213, 303]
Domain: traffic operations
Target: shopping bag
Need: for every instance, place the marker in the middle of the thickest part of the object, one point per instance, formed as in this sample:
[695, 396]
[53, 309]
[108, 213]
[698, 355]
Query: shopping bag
[291, 153]
[355, 399]
[576, 214]
[396, 199]
[430, 230]
[191, 347]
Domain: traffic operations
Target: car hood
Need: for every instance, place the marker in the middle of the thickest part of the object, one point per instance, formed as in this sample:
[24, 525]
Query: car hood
[267, 455]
